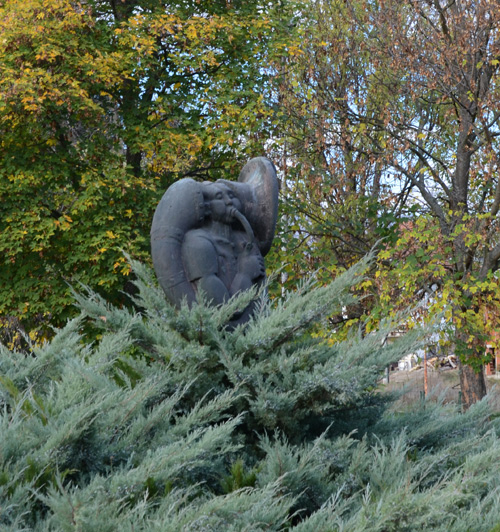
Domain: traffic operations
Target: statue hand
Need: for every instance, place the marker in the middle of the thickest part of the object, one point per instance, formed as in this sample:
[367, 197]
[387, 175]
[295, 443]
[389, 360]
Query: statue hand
[251, 264]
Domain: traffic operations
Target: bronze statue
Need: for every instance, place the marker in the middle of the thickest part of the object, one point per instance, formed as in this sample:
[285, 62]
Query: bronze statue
[213, 237]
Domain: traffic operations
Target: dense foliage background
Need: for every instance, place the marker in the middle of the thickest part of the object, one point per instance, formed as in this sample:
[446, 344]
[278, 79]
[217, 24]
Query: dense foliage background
[103, 105]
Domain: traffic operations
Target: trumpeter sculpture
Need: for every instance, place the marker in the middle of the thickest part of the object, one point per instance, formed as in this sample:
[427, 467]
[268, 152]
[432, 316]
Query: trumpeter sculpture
[212, 237]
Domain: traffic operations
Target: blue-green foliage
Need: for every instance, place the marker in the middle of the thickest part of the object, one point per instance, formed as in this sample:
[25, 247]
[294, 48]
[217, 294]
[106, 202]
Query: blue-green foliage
[155, 419]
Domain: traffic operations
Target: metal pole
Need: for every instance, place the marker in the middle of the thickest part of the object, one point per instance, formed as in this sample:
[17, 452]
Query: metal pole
[425, 372]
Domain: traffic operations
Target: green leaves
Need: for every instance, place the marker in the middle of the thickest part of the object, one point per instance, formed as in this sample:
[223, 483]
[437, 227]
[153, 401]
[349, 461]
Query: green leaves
[102, 107]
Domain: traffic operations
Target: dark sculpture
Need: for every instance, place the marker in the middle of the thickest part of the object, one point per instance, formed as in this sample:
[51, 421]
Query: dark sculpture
[213, 236]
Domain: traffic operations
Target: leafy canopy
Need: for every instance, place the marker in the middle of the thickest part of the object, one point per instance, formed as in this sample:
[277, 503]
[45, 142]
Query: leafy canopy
[103, 105]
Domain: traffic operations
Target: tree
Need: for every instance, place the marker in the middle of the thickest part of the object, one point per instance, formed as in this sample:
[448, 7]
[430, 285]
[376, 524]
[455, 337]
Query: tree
[337, 200]
[443, 128]
[169, 422]
[419, 100]
[102, 105]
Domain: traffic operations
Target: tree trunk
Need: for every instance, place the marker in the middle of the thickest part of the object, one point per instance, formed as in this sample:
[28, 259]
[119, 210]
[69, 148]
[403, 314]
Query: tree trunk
[134, 160]
[472, 385]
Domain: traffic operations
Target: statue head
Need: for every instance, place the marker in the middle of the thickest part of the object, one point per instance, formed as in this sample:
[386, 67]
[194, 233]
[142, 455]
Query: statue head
[221, 202]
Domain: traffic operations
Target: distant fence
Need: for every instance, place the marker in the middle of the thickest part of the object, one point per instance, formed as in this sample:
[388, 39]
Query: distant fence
[409, 385]
[443, 385]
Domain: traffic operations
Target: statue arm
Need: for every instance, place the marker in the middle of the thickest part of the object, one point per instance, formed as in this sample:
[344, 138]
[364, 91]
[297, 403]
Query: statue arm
[251, 269]
[201, 264]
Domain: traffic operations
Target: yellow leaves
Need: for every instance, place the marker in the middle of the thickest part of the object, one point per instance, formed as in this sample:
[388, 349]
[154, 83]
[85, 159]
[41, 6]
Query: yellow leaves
[362, 127]
[122, 266]
[110, 234]
[194, 145]
[294, 51]
[385, 297]
[64, 225]
[385, 253]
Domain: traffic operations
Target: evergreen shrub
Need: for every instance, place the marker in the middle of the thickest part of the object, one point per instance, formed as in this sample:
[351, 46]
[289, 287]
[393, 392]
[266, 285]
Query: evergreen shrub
[156, 419]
